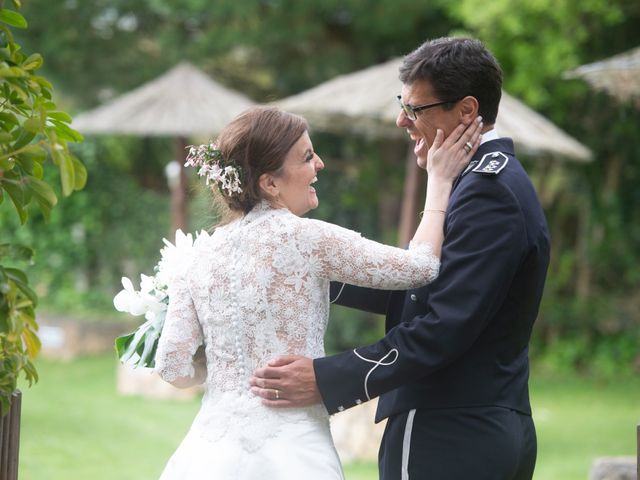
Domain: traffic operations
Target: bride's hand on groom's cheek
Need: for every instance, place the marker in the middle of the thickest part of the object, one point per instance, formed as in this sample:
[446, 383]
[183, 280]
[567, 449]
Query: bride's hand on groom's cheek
[288, 381]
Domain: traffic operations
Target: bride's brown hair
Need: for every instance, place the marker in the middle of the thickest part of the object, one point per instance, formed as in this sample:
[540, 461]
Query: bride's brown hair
[257, 141]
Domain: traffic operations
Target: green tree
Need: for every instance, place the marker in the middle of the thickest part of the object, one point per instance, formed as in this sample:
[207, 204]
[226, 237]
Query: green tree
[32, 129]
[267, 49]
[273, 48]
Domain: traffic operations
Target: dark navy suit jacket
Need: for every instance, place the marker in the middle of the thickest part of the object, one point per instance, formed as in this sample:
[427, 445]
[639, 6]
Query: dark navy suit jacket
[461, 341]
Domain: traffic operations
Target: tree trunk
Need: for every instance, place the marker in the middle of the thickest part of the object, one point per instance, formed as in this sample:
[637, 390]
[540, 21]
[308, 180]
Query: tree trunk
[414, 187]
[583, 277]
[10, 438]
[179, 191]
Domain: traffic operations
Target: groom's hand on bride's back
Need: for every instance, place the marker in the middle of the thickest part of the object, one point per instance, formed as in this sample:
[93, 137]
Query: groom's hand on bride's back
[287, 381]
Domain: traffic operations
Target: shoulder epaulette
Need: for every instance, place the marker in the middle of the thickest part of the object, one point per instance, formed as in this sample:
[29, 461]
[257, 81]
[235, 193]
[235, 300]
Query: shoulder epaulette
[491, 164]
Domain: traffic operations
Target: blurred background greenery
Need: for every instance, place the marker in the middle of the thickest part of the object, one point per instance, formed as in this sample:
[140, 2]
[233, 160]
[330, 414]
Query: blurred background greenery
[589, 323]
[269, 49]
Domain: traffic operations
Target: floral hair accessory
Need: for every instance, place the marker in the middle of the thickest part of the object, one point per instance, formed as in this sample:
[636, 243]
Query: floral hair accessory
[214, 167]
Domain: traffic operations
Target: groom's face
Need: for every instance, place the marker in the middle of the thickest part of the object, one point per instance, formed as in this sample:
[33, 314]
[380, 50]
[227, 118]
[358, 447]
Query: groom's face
[423, 129]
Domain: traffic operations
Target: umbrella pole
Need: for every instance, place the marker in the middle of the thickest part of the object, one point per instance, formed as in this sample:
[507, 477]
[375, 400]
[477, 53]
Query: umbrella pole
[413, 189]
[179, 192]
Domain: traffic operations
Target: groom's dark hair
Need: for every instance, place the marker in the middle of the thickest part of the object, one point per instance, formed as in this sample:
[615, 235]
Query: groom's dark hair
[455, 68]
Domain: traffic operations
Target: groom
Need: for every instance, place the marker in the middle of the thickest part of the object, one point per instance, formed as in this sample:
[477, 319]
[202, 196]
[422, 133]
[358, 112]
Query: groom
[452, 371]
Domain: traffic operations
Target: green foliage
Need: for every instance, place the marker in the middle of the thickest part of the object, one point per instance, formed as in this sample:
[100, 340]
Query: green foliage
[31, 130]
[266, 49]
[113, 228]
[536, 41]
[269, 49]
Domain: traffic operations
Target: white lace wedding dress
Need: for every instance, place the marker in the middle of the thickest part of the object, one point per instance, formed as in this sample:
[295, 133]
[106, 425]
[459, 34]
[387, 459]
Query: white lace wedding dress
[256, 289]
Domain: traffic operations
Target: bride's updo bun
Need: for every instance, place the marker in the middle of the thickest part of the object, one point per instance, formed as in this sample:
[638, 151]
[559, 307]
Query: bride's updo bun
[256, 142]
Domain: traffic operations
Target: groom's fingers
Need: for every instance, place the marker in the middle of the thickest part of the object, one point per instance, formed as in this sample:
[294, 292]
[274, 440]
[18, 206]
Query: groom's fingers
[265, 383]
[268, 372]
[268, 398]
[283, 360]
[275, 369]
[278, 403]
[282, 399]
[266, 393]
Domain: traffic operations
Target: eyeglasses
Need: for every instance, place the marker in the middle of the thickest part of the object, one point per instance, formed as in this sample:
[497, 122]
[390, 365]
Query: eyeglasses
[410, 111]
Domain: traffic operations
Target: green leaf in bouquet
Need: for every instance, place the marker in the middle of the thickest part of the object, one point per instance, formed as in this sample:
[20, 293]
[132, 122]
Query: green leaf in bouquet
[150, 345]
[143, 342]
[121, 344]
[133, 344]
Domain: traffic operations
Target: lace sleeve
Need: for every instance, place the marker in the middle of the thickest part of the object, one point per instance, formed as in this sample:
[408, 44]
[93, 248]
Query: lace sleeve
[176, 361]
[345, 256]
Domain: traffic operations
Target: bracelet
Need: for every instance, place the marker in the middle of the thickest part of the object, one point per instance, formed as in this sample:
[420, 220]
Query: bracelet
[433, 210]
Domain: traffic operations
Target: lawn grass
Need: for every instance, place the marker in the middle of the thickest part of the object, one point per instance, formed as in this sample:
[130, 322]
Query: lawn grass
[75, 426]
[578, 420]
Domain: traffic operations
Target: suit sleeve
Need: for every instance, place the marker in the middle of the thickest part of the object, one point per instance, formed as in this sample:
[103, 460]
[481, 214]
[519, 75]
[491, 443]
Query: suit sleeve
[484, 244]
[361, 298]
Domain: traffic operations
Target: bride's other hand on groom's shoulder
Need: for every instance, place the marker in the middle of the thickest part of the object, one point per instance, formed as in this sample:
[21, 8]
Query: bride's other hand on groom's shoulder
[287, 381]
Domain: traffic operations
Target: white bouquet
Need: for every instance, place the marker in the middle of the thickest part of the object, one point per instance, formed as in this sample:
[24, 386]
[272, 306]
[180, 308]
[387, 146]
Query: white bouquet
[138, 348]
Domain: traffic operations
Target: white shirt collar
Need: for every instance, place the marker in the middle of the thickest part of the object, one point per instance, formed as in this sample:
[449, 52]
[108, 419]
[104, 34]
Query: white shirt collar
[490, 135]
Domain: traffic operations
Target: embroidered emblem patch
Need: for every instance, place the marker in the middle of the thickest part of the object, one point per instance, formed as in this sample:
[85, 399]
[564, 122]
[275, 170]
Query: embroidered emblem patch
[492, 163]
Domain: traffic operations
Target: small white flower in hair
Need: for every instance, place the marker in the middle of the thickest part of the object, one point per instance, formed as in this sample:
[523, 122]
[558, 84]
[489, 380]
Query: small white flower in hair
[214, 167]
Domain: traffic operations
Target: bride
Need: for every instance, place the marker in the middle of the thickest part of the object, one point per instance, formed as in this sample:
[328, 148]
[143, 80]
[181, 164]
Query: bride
[258, 288]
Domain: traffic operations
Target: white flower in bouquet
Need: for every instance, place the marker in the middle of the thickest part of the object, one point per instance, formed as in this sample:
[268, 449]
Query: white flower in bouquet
[138, 348]
[173, 257]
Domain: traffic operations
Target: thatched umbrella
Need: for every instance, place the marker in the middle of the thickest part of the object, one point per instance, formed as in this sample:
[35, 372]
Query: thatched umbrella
[618, 75]
[364, 102]
[181, 103]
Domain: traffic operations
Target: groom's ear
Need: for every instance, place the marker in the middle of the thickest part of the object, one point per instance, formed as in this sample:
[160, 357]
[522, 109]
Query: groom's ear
[469, 108]
[268, 185]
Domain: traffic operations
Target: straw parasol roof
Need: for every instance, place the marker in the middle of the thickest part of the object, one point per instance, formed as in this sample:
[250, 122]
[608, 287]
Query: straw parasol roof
[182, 102]
[618, 75]
[365, 102]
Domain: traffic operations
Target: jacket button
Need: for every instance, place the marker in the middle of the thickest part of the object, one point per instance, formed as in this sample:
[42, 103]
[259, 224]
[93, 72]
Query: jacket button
[414, 297]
